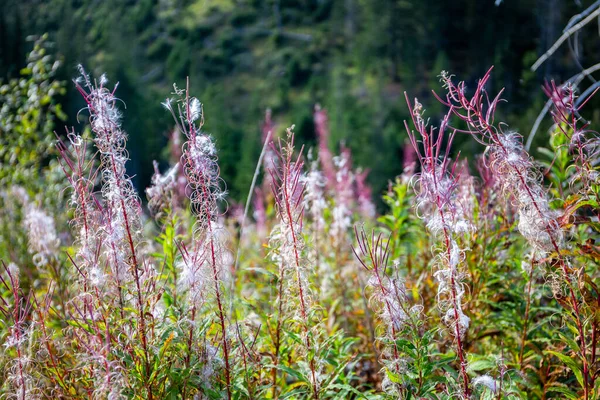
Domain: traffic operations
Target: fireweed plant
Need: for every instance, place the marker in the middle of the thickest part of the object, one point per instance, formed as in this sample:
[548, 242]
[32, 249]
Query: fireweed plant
[438, 204]
[544, 228]
[470, 286]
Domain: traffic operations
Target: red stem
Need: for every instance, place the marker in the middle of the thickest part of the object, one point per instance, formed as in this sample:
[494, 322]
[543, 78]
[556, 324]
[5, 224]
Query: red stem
[480, 123]
[290, 221]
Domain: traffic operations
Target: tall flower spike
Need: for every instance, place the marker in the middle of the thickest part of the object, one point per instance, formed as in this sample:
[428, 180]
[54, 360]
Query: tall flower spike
[122, 222]
[436, 189]
[41, 231]
[314, 201]
[513, 168]
[322, 128]
[206, 266]
[288, 189]
[509, 160]
[122, 227]
[160, 193]
[364, 194]
[87, 217]
[315, 206]
[389, 298]
[17, 313]
[87, 220]
[344, 197]
[584, 143]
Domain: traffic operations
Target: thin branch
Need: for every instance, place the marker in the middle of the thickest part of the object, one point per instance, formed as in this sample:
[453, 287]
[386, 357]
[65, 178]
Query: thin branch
[249, 198]
[567, 33]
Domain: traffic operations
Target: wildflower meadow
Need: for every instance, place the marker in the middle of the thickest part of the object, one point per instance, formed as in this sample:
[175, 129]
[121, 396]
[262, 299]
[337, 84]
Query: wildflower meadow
[472, 276]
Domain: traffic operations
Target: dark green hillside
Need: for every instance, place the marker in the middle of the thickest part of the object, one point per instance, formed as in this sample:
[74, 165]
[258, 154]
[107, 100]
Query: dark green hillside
[354, 57]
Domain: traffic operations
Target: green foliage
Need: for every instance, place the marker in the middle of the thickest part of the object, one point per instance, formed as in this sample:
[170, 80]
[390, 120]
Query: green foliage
[28, 115]
[521, 343]
[533, 321]
[347, 55]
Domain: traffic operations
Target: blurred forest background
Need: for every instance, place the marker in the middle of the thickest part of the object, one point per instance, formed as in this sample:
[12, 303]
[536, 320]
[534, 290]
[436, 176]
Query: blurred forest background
[354, 57]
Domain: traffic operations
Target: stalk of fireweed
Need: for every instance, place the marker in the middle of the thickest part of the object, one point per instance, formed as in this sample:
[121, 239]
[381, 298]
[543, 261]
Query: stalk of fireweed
[390, 300]
[343, 197]
[16, 314]
[512, 165]
[583, 143]
[41, 232]
[315, 205]
[88, 308]
[268, 131]
[42, 238]
[507, 158]
[314, 196]
[122, 207]
[321, 121]
[121, 227]
[288, 189]
[78, 168]
[162, 190]
[205, 267]
[364, 194]
[338, 178]
[436, 189]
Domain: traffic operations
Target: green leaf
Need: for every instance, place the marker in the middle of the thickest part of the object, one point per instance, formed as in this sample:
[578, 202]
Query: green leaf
[563, 390]
[569, 362]
[296, 374]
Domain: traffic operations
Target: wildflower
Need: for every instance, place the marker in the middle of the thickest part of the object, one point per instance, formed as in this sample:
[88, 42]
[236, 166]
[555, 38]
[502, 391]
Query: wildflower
[119, 228]
[436, 187]
[343, 195]
[322, 129]
[160, 194]
[583, 142]
[122, 227]
[389, 299]
[537, 223]
[289, 190]
[314, 201]
[289, 193]
[43, 240]
[13, 270]
[259, 214]
[209, 258]
[392, 293]
[364, 194]
[511, 164]
[487, 381]
[87, 219]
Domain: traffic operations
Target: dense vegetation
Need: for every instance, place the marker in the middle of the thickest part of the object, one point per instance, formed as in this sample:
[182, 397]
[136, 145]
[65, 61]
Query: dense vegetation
[475, 278]
[469, 286]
